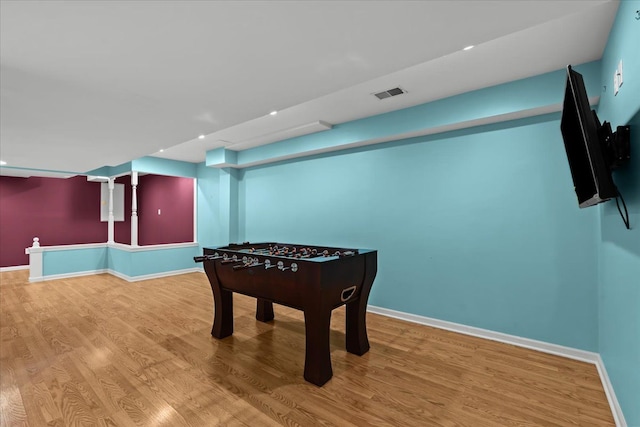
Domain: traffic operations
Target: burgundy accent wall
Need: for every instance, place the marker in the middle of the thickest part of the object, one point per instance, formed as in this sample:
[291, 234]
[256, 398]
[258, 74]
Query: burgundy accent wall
[67, 211]
[174, 197]
[58, 211]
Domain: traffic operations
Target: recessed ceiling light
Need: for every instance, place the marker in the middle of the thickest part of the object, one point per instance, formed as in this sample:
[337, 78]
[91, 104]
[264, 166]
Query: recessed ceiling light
[468, 47]
[162, 150]
[201, 137]
[2, 162]
[273, 113]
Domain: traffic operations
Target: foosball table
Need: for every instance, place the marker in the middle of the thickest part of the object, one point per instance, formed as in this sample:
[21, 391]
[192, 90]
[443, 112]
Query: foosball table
[312, 279]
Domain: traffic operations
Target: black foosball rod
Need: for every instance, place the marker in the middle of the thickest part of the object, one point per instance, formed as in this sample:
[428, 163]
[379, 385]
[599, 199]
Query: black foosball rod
[203, 258]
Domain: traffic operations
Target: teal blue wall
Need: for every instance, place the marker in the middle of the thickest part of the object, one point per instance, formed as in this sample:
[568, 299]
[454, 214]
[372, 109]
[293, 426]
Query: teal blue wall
[619, 292]
[128, 263]
[120, 261]
[479, 227]
[73, 261]
[217, 206]
[141, 263]
[619, 248]
[208, 206]
[622, 44]
[162, 260]
[228, 196]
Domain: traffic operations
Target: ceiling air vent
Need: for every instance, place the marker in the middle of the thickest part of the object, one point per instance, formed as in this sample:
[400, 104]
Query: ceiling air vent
[389, 93]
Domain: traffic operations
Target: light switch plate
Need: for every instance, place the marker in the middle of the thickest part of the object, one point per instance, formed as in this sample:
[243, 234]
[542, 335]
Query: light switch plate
[620, 74]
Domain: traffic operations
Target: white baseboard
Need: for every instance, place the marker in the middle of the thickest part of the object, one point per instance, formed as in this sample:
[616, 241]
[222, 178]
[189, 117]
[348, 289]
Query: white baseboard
[154, 275]
[545, 347]
[117, 274]
[14, 268]
[618, 416]
[558, 350]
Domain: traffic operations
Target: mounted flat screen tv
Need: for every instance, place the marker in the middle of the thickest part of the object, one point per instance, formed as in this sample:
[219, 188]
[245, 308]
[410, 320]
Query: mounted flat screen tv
[593, 150]
[581, 131]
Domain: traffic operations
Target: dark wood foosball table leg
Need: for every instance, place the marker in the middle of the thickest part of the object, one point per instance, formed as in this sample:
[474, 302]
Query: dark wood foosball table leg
[356, 329]
[223, 313]
[317, 359]
[264, 310]
[356, 316]
[222, 304]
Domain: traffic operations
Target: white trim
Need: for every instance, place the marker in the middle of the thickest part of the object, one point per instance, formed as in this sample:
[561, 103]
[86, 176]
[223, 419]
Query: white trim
[129, 248]
[134, 208]
[120, 246]
[117, 274]
[195, 209]
[545, 347]
[110, 225]
[14, 268]
[33, 250]
[558, 350]
[66, 275]
[35, 259]
[154, 275]
[616, 410]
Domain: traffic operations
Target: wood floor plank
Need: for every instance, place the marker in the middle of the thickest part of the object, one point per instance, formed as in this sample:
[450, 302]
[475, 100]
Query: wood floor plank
[96, 350]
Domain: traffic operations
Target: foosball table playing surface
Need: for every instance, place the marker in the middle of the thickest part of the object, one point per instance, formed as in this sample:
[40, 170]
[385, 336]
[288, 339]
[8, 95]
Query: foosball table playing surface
[314, 279]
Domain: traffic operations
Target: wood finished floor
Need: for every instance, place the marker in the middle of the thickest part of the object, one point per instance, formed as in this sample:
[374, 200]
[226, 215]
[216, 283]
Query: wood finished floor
[97, 350]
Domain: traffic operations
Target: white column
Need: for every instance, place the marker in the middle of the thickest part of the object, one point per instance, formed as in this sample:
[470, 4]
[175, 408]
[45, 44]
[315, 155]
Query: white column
[110, 235]
[195, 209]
[35, 261]
[134, 209]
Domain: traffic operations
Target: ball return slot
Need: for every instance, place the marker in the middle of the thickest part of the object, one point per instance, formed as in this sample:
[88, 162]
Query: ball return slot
[348, 293]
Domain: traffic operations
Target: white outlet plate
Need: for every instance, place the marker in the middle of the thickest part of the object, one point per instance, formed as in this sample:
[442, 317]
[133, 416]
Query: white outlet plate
[616, 86]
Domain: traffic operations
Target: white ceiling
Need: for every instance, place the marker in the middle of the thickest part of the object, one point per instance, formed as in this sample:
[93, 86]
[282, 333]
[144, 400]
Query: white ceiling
[97, 83]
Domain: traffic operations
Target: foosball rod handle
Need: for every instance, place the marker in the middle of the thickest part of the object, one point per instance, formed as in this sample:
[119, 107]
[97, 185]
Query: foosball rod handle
[205, 258]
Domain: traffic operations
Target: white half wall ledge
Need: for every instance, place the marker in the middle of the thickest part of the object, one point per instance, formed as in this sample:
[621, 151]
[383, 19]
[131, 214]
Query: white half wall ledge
[129, 248]
[36, 265]
[41, 249]
[542, 346]
[121, 246]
